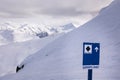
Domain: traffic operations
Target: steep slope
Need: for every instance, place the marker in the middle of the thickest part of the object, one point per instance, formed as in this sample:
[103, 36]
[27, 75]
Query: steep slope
[62, 59]
[13, 54]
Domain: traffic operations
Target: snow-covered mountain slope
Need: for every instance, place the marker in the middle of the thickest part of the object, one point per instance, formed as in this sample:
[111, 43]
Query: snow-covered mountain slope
[6, 36]
[27, 31]
[62, 59]
[13, 54]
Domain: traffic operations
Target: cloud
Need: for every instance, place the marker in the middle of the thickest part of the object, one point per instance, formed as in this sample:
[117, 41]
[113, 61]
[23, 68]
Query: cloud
[35, 8]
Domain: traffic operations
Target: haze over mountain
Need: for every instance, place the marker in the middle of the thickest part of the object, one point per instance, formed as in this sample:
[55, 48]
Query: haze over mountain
[77, 12]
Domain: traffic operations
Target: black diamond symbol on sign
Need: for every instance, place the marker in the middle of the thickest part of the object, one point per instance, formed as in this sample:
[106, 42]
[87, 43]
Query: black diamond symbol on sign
[88, 48]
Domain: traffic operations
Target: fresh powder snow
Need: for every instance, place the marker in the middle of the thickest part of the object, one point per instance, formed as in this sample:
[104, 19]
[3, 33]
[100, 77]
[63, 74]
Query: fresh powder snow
[62, 58]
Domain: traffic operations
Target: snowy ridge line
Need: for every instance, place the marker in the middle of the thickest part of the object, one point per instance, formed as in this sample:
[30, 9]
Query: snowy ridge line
[9, 33]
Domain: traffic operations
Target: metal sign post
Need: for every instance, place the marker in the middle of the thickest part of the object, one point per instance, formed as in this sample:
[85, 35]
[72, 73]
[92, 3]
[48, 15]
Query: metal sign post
[89, 74]
[91, 54]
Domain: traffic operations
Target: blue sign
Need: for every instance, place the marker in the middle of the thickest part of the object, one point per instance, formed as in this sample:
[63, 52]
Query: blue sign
[91, 54]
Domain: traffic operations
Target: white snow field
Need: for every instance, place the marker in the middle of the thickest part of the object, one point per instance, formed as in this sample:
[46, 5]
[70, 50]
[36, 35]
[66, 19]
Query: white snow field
[62, 58]
[13, 54]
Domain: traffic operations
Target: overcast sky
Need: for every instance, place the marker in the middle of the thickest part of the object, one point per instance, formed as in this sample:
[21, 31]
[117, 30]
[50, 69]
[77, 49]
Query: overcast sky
[50, 8]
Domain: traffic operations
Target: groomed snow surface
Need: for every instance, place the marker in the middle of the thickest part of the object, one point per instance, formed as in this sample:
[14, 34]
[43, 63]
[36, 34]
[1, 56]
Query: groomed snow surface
[61, 59]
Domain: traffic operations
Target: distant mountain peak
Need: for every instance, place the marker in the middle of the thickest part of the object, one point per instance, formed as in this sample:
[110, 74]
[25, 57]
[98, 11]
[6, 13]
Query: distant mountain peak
[27, 31]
